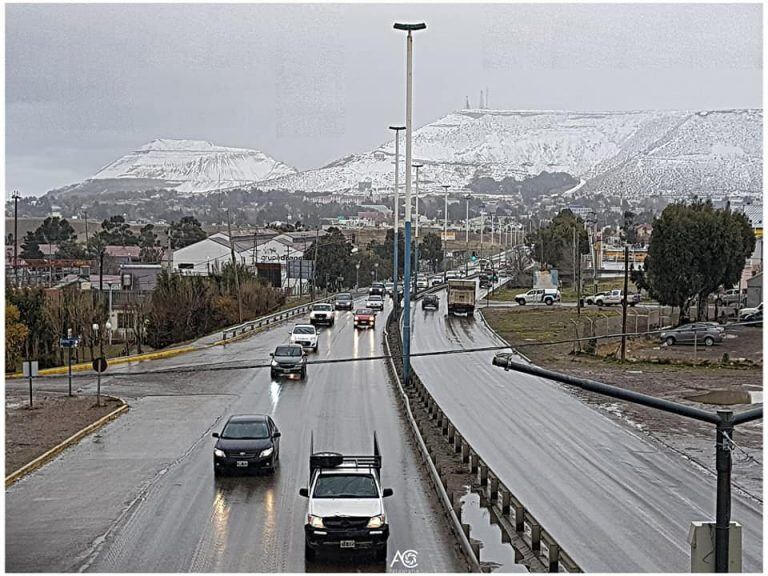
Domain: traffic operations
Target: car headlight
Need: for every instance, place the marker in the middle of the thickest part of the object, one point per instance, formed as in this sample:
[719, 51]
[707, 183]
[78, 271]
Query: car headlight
[267, 452]
[274, 362]
[219, 453]
[376, 521]
[315, 521]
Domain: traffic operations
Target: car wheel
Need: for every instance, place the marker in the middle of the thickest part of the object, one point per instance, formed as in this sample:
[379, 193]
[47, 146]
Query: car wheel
[708, 341]
[520, 302]
[309, 553]
[216, 472]
[273, 374]
[303, 373]
[549, 301]
[670, 340]
[599, 302]
[381, 554]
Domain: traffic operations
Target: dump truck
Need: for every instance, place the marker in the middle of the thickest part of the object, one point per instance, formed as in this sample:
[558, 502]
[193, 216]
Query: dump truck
[461, 297]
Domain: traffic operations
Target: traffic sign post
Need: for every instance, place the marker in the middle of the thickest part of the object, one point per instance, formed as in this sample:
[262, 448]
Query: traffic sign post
[69, 343]
[29, 368]
[100, 365]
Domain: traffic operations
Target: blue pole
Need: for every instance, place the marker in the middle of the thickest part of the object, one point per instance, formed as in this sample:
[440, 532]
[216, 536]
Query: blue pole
[407, 305]
[395, 269]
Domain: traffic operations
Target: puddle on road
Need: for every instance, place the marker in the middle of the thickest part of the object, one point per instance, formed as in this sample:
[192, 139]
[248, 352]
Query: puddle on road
[492, 552]
[728, 397]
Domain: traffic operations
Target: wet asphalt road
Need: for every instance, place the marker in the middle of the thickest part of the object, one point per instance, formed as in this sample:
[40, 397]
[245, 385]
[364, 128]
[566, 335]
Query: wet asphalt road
[140, 495]
[613, 499]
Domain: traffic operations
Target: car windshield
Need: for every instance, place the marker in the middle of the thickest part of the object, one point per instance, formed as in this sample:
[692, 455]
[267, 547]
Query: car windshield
[254, 430]
[322, 307]
[345, 486]
[344, 297]
[287, 351]
[304, 330]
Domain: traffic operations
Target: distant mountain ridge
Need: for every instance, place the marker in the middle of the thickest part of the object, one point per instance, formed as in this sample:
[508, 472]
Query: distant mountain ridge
[641, 152]
[187, 166]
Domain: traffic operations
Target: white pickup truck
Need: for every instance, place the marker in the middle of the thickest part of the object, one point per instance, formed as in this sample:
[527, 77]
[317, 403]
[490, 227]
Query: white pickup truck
[616, 297]
[547, 296]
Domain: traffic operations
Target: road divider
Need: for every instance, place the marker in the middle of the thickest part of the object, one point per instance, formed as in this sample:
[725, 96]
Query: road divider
[59, 448]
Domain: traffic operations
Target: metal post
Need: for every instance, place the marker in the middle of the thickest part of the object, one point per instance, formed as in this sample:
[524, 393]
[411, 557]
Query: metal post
[396, 269]
[723, 512]
[408, 163]
[416, 242]
[445, 235]
[624, 304]
[69, 372]
[16, 197]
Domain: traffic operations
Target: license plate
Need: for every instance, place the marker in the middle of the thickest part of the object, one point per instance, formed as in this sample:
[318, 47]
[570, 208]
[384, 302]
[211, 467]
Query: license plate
[347, 544]
[242, 463]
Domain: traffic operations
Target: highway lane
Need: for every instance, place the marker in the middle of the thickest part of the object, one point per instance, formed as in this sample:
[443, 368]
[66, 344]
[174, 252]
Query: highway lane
[141, 495]
[616, 501]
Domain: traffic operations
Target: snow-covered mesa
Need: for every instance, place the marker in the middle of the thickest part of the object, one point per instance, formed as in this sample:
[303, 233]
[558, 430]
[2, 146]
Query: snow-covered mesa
[194, 166]
[644, 152]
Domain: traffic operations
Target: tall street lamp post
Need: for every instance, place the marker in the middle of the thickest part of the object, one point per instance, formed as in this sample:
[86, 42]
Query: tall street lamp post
[416, 243]
[466, 240]
[408, 162]
[357, 276]
[16, 197]
[445, 235]
[396, 268]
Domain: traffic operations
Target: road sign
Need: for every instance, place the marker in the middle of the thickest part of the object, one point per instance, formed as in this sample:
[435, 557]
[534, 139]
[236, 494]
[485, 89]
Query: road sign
[69, 342]
[100, 364]
[29, 368]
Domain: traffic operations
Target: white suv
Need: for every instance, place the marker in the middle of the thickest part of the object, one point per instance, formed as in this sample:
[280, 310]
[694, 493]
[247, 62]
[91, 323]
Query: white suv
[322, 314]
[538, 295]
[305, 335]
[375, 302]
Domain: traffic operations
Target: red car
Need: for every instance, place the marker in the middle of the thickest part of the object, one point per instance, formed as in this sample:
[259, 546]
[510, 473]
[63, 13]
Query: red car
[365, 317]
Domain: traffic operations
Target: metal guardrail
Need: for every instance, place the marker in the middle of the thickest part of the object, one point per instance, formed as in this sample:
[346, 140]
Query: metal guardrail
[514, 518]
[437, 482]
[252, 325]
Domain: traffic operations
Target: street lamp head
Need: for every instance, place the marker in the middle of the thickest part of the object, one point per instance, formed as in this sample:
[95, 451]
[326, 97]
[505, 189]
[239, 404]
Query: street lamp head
[95, 327]
[409, 27]
[417, 165]
[108, 325]
[397, 128]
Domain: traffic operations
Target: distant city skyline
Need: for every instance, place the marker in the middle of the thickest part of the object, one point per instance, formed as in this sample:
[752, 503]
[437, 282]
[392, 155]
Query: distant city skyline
[308, 84]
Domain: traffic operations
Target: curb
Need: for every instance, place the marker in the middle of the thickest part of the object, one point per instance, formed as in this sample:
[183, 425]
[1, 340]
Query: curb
[82, 367]
[56, 450]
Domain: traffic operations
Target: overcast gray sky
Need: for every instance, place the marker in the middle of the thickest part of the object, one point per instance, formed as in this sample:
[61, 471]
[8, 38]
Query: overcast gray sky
[308, 84]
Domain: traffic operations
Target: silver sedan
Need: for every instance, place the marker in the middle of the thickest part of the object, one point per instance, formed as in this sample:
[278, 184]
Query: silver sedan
[706, 333]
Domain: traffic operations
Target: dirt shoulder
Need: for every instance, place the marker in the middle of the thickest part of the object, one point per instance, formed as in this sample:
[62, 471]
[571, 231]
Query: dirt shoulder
[671, 373]
[53, 419]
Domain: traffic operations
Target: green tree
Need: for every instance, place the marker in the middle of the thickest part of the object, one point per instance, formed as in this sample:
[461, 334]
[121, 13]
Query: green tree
[694, 250]
[553, 244]
[53, 230]
[431, 249]
[333, 259]
[116, 232]
[151, 252]
[185, 232]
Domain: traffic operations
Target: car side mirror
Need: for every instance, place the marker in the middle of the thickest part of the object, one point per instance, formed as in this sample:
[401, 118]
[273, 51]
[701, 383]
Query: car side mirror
[215, 434]
[276, 435]
[272, 354]
[304, 492]
[387, 492]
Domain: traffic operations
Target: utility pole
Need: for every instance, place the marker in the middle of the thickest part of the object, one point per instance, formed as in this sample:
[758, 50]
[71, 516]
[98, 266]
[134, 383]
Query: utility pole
[234, 264]
[314, 269]
[578, 276]
[396, 264]
[624, 304]
[16, 197]
[408, 161]
[445, 235]
[416, 243]
[466, 239]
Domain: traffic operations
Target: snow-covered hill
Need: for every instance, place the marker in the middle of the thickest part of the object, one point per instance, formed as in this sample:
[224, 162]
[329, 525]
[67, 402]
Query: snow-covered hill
[676, 152]
[187, 166]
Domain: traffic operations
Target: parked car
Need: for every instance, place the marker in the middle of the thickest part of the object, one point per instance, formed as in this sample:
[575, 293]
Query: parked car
[375, 302]
[755, 317]
[288, 360]
[707, 333]
[364, 318]
[732, 297]
[322, 314]
[305, 335]
[744, 312]
[344, 301]
[617, 297]
[430, 301]
[592, 298]
[538, 295]
[247, 442]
